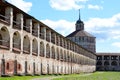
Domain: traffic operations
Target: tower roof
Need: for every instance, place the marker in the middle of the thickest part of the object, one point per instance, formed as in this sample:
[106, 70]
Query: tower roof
[79, 20]
[80, 29]
[80, 33]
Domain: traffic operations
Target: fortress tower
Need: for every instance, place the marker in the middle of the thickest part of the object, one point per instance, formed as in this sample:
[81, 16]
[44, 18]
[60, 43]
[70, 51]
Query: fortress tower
[81, 37]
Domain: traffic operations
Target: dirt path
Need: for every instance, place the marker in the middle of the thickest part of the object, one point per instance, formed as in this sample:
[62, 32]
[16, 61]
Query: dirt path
[47, 78]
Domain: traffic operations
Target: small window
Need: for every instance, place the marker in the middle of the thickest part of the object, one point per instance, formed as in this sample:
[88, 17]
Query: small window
[29, 67]
[19, 66]
[8, 66]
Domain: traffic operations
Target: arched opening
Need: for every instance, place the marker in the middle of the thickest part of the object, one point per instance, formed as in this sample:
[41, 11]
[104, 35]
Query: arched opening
[4, 38]
[65, 56]
[72, 58]
[68, 56]
[42, 33]
[75, 58]
[71, 46]
[61, 42]
[34, 47]
[114, 63]
[16, 42]
[106, 63]
[99, 63]
[61, 55]
[4, 18]
[47, 51]
[34, 29]
[57, 54]
[48, 35]
[64, 43]
[53, 52]
[41, 49]
[26, 45]
[53, 37]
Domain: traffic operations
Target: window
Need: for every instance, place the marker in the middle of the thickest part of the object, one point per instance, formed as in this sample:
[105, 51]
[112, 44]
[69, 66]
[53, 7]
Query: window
[8, 66]
[19, 66]
[29, 67]
[79, 38]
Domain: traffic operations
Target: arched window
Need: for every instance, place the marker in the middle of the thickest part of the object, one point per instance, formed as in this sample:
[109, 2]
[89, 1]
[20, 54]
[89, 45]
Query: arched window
[99, 63]
[47, 51]
[34, 47]
[106, 63]
[26, 44]
[61, 55]
[4, 38]
[114, 63]
[16, 41]
[42, 49]
[53, 52]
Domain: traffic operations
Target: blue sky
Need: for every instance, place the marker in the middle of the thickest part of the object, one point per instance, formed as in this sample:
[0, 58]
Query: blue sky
[101, 18]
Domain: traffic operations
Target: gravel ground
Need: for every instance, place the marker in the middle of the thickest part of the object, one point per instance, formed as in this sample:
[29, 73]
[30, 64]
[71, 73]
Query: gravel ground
[49, 78]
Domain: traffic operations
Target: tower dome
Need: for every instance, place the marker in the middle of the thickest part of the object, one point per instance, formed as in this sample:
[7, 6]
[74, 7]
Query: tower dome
[79, 21]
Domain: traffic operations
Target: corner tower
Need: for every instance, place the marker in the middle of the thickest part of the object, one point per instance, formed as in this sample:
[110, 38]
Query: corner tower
[83, 38]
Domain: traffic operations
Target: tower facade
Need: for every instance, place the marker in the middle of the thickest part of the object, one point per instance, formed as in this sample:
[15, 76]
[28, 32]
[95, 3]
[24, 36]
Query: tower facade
[81, 37]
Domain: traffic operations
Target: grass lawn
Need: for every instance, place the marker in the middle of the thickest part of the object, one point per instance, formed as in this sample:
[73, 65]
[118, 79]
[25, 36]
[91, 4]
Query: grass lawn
[22, 77]
[89, 76]
[92, 76]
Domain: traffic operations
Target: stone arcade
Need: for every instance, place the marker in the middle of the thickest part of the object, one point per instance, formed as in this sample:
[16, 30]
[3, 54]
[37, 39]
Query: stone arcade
[29, 47]
[108, 62]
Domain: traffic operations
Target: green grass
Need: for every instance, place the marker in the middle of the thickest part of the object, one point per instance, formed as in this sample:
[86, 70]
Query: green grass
[93, 76]
[89, 76]
[23, 77]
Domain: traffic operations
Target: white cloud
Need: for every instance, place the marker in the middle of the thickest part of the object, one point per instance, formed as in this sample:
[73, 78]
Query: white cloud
[100, 23]
[23, 5]
[66, 4]
[116, 44]
[96, 7]
[115, 34]
[62, 26]
[103, 28]
[106, 29]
